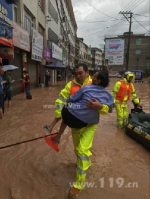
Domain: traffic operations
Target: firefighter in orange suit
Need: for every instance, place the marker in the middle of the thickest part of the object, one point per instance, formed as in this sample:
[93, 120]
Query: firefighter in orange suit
[122, 92]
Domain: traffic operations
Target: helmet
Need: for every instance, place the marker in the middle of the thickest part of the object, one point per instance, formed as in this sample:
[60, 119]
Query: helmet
[129, 74]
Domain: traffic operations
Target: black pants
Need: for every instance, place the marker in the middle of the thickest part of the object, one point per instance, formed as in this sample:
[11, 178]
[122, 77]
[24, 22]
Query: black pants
[2, 101]
[70, 120]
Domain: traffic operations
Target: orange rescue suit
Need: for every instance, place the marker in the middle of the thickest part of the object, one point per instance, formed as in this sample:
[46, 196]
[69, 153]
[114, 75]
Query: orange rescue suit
[75, 87]
[124, 90]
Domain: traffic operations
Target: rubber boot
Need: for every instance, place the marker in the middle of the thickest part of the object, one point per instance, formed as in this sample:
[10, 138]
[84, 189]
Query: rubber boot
[29, 97]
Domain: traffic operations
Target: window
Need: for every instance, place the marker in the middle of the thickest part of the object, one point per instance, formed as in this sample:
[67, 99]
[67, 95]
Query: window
[52, 12]
[15, 13]
[61, 10]
[61, 31]
[138, 41]
[28, 22]
[41, 30]
[41, 5]
[137, 51]
[52, 36]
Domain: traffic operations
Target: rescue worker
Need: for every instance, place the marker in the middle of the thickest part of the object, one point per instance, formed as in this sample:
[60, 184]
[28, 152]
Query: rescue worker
[82, 138]
[122, 92]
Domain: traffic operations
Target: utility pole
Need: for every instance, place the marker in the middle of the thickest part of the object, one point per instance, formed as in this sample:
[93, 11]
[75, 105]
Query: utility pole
[128, 47]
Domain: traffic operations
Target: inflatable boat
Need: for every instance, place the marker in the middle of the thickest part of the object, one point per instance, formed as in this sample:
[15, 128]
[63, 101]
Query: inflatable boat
[138, 126]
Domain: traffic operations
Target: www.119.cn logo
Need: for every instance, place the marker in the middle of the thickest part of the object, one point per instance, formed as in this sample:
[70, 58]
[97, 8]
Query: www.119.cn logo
[119, 182]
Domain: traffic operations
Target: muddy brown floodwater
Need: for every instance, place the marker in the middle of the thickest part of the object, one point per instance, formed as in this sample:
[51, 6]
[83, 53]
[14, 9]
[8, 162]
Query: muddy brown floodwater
[120, 165]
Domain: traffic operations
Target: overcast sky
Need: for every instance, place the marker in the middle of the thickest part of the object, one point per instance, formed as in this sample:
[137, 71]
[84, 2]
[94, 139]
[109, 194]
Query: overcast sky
[97, 18]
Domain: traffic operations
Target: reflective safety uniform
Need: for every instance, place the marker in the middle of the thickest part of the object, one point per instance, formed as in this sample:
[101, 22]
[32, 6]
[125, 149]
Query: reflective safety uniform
[82, 138]
[122, 92]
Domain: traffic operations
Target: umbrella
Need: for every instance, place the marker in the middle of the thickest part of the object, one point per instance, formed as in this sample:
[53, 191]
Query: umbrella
[9, 67]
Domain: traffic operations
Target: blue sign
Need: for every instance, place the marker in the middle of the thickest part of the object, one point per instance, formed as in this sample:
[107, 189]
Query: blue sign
[6, 19]
[138, 74]
[96, 67]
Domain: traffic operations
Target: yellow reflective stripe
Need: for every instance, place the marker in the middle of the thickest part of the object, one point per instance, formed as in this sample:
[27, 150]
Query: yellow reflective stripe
[120, 120]
[81, 171]
[83, 157]
[134, 98]
[62, 99]
[118, 102]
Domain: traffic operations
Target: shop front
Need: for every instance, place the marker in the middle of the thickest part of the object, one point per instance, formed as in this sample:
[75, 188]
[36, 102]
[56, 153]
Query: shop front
[56, 73]
[36, 57]
[21, 50]
[6, 42]
[46, 60]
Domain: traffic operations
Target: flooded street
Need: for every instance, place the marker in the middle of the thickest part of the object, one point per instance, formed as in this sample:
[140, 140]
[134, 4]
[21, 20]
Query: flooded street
[120, 165]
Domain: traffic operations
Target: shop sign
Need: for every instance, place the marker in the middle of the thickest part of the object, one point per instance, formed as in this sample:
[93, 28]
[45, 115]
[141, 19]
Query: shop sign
[6, 20]
[114, 51]
[6, 53]
[46, 54]
[21, 37]
[37, 46]
[56, 52]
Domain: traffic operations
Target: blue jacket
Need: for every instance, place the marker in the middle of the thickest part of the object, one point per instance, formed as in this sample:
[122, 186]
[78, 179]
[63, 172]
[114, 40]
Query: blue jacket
[78, 108]
[1, 86]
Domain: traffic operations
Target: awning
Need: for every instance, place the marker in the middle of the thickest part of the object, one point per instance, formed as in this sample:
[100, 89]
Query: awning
[11, 1]
[6, 42]
[56, 66]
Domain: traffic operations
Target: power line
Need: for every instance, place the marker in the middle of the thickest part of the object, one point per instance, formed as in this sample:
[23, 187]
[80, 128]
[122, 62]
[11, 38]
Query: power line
[81, 12]
[118, 23]
[142, 28]
[128, 47]
[137, 5]
[97, 32]
[126, 7]
[100, 11]
[141, 24]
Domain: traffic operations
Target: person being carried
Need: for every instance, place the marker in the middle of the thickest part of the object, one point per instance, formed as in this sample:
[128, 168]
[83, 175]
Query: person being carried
[76, 114]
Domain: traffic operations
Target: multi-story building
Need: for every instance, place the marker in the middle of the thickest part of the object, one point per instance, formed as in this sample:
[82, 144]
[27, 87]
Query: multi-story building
[6, 32]
[96, 58]
[61, 31]
[77, 50]
[43, 31]
[28, 33]
[139, 52]
[83, 52]
[39, 32]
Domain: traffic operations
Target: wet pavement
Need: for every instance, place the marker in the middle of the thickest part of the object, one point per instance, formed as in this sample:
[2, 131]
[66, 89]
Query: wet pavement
[120, 165]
